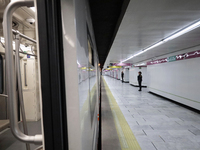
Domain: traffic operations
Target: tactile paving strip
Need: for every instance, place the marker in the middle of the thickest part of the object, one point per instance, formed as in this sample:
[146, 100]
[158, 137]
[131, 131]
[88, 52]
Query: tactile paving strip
[125, 134]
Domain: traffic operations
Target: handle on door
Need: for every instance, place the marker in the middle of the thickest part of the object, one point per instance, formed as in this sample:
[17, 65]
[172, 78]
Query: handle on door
[12, 102]
[25, 79]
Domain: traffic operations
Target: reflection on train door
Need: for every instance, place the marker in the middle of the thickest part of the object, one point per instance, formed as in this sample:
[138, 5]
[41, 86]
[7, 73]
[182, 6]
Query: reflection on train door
[3, 99]
[1, 75]
[92, 100]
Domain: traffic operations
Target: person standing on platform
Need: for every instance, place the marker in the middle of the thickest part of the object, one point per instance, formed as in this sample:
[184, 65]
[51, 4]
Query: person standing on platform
[122, 75]
[140, 80]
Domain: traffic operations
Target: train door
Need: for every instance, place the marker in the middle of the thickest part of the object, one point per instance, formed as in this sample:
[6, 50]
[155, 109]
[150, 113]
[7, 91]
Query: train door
[4, 122]
[69, 69]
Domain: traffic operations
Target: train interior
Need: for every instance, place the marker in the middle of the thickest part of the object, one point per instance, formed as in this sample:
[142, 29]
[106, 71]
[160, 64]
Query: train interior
[23, 21]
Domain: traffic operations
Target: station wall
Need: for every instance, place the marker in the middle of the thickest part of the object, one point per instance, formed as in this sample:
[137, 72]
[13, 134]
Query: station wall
[177, 80]
[133, 73]
[126, 75]
[119, 74]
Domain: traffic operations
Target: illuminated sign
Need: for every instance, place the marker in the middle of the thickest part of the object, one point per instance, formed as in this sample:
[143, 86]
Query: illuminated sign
[189, 55]
[171, 58]
[159, 61]
[108, 69]
[115, 67]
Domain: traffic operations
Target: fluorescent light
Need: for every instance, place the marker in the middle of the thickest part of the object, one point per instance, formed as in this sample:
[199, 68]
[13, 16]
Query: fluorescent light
[2, 40]
[127, 59]
[138, 53]
[144, 50]
[153, 46]
[78, 62]
[32, 8]
[13, 45]
[127, 67]
[173, 36]
[142, 64]
[132, 56]
[183, 31]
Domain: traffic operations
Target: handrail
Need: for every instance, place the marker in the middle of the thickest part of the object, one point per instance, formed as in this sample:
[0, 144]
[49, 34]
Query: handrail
[24, 36]
[19, 85]
[11, 84]
[3, 95]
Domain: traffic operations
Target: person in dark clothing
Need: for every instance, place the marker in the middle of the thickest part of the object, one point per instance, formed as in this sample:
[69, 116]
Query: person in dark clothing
[122, 75]
[140, 80]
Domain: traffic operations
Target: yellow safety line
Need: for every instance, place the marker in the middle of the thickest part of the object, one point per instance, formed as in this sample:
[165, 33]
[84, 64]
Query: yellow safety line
[125, 134]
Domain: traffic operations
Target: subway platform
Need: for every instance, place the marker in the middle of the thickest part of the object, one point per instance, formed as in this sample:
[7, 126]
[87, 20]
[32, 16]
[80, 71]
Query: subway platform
[133, 120]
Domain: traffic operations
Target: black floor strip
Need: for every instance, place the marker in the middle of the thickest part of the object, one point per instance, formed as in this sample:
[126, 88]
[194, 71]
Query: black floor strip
[99, 140]
[175, 102]
[162, 138]
[154, 146]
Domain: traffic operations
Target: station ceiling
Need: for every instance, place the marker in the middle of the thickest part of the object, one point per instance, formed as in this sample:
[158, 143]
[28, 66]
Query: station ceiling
[106, 18]
[149, 21]
[122, 31]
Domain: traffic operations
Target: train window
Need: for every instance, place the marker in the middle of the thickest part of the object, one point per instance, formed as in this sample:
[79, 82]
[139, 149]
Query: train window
[90, 48]
[91, 55]
[1, 75]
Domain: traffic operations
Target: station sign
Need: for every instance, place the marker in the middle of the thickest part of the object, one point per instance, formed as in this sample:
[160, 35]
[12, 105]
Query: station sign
[171, 58]
[184, 56]
[113, 67]
[159, 61]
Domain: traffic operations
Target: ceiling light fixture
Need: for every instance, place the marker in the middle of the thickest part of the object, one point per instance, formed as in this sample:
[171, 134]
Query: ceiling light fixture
[183, 31]
[78, 63]
[171, 37]
[32, 8]
[2, 40]
[153, 46]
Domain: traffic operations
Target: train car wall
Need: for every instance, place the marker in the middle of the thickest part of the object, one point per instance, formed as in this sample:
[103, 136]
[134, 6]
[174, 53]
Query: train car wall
[30, 86]
[177, 80]
[81, 94]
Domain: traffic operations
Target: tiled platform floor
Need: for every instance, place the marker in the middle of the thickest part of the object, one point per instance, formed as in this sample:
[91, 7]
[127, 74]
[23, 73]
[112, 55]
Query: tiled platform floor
[157, 123]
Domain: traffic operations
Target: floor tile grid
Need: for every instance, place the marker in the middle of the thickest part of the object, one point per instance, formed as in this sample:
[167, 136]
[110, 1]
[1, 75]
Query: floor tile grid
[156, 122]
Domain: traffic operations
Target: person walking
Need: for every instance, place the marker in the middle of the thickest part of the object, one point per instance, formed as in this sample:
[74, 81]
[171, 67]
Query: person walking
[122, 75]
[140, 80]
